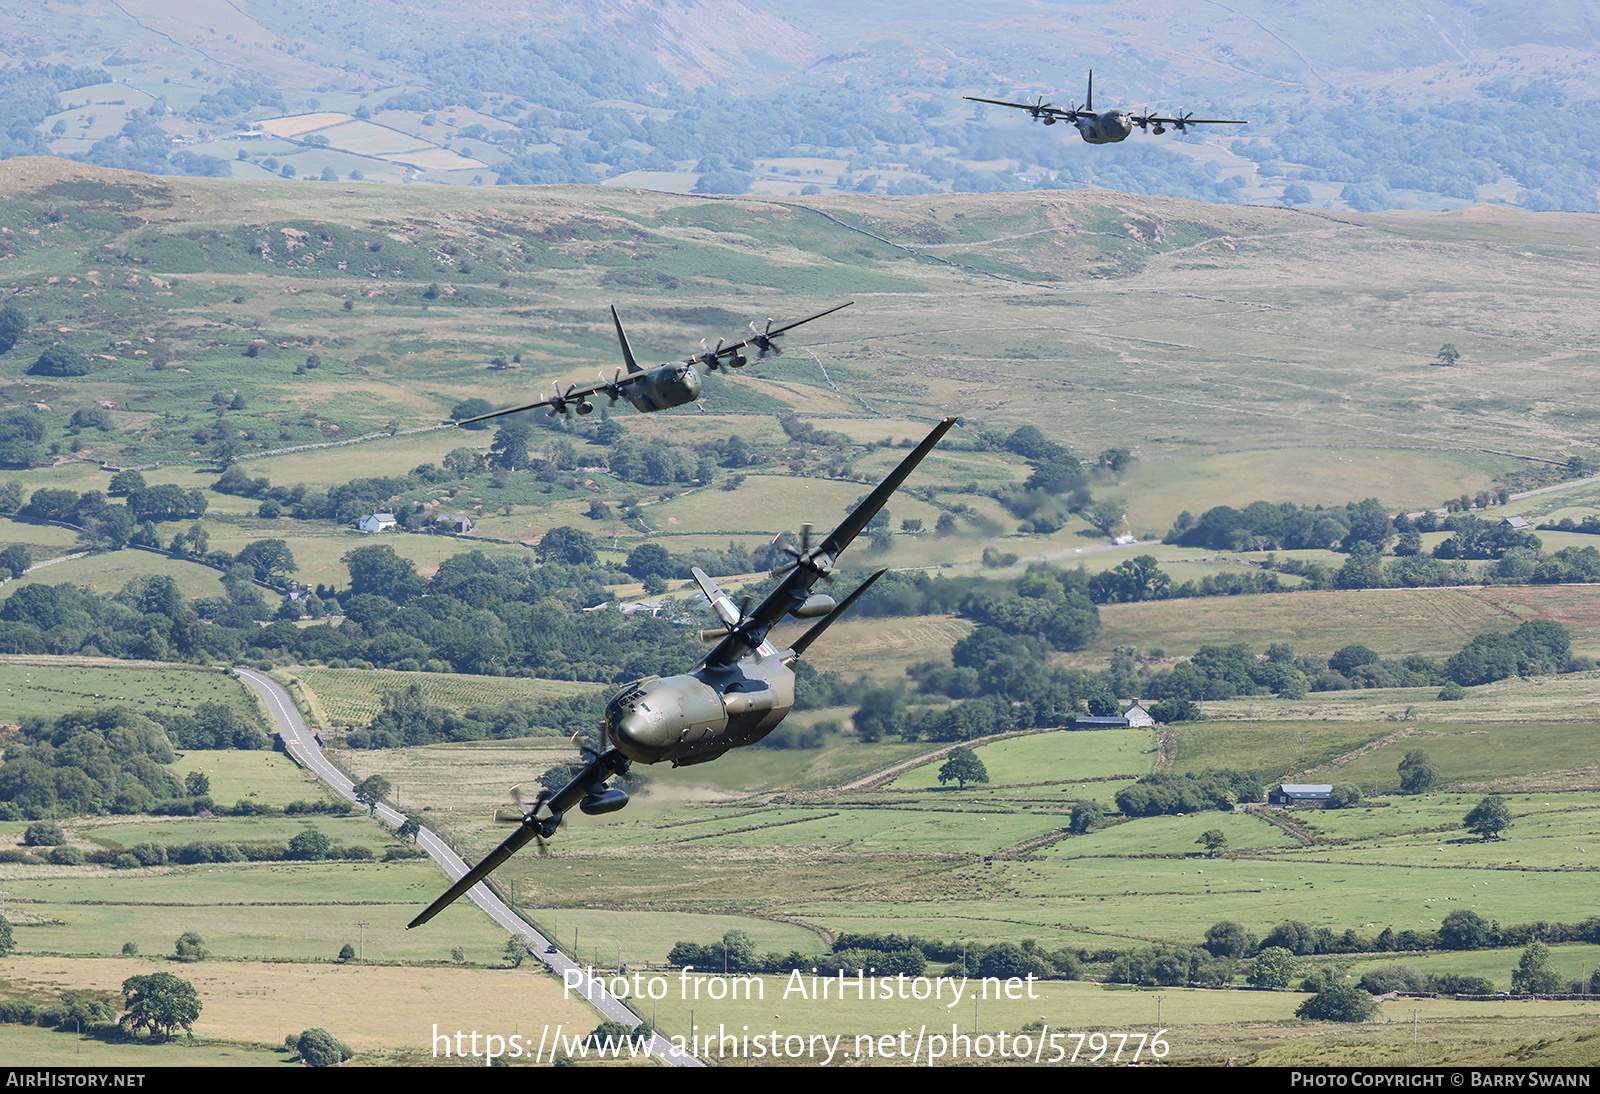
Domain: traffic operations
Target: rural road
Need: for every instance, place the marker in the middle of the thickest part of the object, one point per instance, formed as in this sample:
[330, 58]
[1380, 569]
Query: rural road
[303, 747]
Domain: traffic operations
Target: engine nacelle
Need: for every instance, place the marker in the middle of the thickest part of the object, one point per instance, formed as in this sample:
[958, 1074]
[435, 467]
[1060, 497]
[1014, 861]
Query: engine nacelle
[1049, 119]
[738, 360]
[607, 801]
[585, 408]
[817, 604]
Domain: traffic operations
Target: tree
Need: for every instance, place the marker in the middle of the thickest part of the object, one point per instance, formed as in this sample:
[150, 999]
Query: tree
[1274, 968]
[1339, 1002]
[1448, 354]
[516, 951]
[1417, 772]
[1229, 939]
[410, 828]
[196, 783]
[568, 547]
[124, 483]
[372, 790]
[963, 766]
[1344, 795]
[15, 560]
[310, 845]
[1085, 815]
[1488, 818]
[319, 1048]
[190, 947]
[43, 834]
[13, 325]
[347, 952]
[1465, 929]
[161, 1003]
[7, 942]
[268, 558]
[1213, 840]
[1104, 515]
[1533, 974]
[380, 571]
[649, 560]
[60, 361]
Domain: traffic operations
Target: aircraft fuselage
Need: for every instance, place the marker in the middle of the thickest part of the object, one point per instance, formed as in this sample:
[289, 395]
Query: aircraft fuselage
[697, 717]
[1108, 127]
[664, 386]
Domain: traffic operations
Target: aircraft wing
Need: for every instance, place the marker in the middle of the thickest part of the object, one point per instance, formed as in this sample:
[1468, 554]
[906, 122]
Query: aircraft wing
[750, 630]
[560, 399]
[762, 340]
[1161, 119]
[1038, 110]
[851, 527]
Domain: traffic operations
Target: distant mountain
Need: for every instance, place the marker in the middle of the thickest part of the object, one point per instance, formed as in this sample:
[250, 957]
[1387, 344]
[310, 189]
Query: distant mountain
[1420, 103]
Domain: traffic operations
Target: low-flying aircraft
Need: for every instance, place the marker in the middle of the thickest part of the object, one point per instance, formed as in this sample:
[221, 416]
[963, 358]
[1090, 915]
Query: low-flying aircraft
[661, 386]
[733, 698]
[1106, 126]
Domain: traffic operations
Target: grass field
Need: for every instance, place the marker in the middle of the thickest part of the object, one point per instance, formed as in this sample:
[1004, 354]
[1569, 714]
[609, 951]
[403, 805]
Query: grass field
[1394, 622]
[1047, 757]
[1251, 385]
[352, 697]
[50, 685]
[250, 1007]
[244, 911]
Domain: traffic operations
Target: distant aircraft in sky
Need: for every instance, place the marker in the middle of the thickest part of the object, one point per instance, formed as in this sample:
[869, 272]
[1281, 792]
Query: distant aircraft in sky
[1106, 126]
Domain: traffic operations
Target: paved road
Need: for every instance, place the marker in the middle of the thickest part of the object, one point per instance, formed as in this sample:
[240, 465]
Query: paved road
[302, 745]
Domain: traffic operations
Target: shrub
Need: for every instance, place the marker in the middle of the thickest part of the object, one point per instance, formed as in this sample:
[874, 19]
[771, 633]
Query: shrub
[1343, 796]
[1341, 1002]
[43, 834]
[191, 947]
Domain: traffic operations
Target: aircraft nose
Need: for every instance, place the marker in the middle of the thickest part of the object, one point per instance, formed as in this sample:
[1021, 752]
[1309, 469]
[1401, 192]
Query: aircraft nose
[640, 736]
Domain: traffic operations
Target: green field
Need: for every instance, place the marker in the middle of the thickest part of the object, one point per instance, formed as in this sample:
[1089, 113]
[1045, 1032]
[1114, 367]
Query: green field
[1049, 757]
[49, 686]
[1250, 386]
[352, 697]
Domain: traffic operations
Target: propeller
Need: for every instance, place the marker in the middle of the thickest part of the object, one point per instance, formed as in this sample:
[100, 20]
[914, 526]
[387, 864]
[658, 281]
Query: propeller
[613, 387]
[586, 790]
[817, 561]
[1041, 112]
[711, 359]
[559, 404]
[1181, 123]
[766, 345]
[529, 816]
[732, 626]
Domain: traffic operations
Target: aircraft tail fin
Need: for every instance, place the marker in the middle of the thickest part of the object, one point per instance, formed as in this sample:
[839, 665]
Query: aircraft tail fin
[1088, 104]
[720, 602]
[815, 632]
[627, 350]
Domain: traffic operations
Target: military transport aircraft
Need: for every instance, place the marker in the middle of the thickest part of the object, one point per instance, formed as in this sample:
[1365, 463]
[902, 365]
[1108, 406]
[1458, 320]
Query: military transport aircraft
[1106, 126]
[660, 386]
[733, 698]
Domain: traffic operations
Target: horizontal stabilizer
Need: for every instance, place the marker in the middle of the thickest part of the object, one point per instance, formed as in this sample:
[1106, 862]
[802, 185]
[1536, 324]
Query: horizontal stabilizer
[815, 632]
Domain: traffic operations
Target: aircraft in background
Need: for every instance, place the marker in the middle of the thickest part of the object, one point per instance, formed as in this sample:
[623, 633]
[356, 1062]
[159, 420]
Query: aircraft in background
[660, 386]
[1106, 126]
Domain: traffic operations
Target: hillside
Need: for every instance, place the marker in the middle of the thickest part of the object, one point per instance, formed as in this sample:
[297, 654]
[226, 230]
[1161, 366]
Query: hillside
[1421, 104]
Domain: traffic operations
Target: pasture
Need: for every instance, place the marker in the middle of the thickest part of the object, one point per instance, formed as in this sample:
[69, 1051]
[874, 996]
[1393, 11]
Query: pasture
[352, 697]
[247, 1008]
[48, 686]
